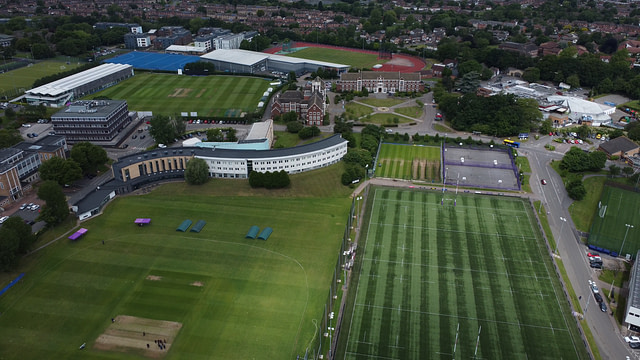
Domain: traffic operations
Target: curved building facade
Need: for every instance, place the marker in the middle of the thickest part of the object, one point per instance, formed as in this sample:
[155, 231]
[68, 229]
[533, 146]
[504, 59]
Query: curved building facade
[134, 171]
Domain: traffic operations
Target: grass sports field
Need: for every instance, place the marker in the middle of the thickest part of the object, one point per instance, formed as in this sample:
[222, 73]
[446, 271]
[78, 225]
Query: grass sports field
[617, 207]
[470, 281]
[24, 77]
[409, 162]
[170, 94]
[352, 58]
[211, 295]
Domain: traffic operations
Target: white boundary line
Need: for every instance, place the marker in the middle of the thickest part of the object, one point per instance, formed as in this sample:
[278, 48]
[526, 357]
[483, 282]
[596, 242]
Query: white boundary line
[455, 268]
[519, 324]
[546, 267]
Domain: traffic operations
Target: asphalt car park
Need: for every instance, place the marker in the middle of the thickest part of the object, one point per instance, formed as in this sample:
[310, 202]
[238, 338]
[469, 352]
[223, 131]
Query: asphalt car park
[39, 129]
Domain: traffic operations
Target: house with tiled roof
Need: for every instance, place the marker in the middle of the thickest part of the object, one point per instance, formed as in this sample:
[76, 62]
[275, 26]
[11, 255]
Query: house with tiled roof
[622, 147]
[308, 103]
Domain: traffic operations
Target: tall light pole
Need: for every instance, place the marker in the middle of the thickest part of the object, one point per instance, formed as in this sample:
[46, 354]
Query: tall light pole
[625, 237]
[564, 220]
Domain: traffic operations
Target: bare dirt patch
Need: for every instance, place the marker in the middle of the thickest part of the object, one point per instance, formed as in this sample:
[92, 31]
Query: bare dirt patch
[197, 283]
[180, 92]
[154, 278]
[201, 92]
[130, 334]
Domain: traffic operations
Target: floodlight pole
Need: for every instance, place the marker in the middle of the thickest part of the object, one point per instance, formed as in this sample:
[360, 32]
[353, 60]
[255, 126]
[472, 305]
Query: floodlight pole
[625, 237]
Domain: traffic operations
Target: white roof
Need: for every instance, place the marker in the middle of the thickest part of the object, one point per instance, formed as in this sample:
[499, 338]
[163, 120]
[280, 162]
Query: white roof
[71, 82]
[260, 130]
[248, 58]
[582, 106]
[237, 56]
[186, 48]
[191, 142]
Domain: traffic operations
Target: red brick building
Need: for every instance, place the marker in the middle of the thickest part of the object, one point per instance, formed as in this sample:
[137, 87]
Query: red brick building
[309, 103]
[380, 82]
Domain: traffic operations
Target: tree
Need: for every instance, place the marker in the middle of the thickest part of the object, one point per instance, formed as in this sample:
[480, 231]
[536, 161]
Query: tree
[164, 129]
[614, 170]
[576, 190]
[14, 226]
[361, 157]
[627, 170]
[309, 132]
[90, 157]
[531, 74]
[9, 138]
[294, 127]
[197, 172]
[546, 126]
[215, 135]
[60, 170]
[56, 208]
[9, 245]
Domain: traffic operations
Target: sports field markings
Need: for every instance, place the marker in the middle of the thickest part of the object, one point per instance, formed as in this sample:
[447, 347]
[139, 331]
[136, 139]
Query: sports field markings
[452, 231]
[454, 268]
[460, 206]
[518, 323]
[546, 267]
[370, 356]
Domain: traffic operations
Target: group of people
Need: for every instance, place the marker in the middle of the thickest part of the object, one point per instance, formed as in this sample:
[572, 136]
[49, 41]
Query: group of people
[162, 344]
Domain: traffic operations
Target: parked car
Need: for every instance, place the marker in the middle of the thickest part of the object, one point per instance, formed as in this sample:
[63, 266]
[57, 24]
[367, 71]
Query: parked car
[631, 339]
[134, 136]
[598, 298]
[593, 254]
[26, 125]
[596, 265]
[543, 181]
[634, 345]
[594, 287]
[142, 136]
[3, 219]
[603, 307]
[23, 206]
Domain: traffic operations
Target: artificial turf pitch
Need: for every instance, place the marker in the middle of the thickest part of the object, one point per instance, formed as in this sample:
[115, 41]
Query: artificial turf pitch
[409, 162]
[236, 298]
[170, 94]
[617, 207]
[470, 281]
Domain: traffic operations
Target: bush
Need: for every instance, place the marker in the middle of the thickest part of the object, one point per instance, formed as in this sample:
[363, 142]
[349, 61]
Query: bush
[294, 127]
[269, 180]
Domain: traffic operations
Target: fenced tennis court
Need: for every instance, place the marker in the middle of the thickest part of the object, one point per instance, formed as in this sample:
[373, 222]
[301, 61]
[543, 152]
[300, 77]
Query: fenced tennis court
[481, 167]
[472, 280]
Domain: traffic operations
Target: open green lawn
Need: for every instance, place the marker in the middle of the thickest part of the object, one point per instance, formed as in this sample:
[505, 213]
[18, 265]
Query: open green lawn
[257, 299]
[355, 110]
[409, 162]
[617, 208]
[24, 77]
[410, 111]
[352, 58]
[474, 280]
[385, 119]
[171, 94]
[582, 211]
[381, 102]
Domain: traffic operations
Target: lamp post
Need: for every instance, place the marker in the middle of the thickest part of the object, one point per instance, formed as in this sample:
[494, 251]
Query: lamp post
[625, 237]
[564, 220]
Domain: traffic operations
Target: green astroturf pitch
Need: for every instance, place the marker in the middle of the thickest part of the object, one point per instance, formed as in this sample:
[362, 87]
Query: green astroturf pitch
[171, 94]
[25, 76]
[617, 207]
[236, 298]
[470, 281]
[409, 162]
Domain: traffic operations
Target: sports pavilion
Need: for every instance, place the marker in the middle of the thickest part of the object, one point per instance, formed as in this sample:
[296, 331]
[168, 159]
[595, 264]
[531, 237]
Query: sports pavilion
[251, 62]
[59, 92]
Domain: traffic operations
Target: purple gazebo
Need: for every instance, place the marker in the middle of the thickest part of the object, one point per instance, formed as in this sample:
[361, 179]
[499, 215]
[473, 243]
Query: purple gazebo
[142, 221]
[78, 234]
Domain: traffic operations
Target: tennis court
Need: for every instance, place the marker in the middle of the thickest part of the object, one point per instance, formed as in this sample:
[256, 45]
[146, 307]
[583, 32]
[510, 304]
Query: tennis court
[154, 61]
[617, 208]
[481, 167]
[470, 281]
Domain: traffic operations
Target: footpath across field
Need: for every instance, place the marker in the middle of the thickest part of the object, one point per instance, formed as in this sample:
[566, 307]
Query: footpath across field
[466, 277]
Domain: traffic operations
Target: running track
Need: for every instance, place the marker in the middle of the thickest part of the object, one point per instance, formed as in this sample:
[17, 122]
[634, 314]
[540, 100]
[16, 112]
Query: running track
[418, 64]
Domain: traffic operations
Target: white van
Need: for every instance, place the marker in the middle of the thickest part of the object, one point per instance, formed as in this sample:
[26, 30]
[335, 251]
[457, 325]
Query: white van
[162, 146]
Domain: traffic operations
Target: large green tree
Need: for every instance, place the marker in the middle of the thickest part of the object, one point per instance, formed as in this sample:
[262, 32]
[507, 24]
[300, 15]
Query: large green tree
[56, 208]
[90, 157]
[164, 128]
[197, 172]
[60, 170]
[15, 226]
